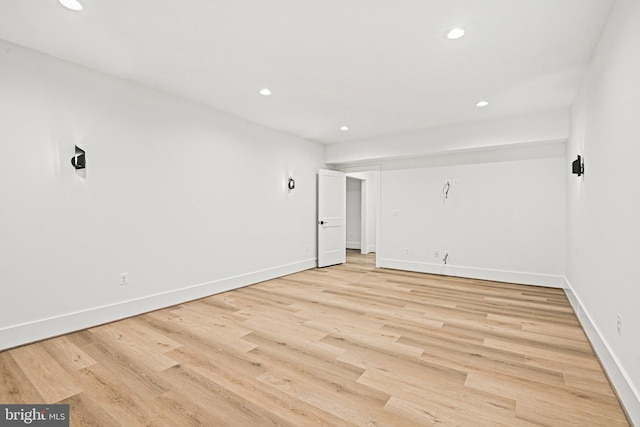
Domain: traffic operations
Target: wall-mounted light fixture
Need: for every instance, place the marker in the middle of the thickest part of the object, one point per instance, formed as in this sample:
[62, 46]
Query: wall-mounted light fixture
[577, 166]
[79, 161]
[291, 184]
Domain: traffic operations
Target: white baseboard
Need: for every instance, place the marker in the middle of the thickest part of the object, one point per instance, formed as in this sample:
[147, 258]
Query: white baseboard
[354, 245]
[627, 393]
[524, 278]
[16, 335]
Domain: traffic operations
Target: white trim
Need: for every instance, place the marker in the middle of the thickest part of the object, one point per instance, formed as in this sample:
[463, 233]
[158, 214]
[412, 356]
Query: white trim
[628, 395]
[524, 278]
[364, 216]
[16, 335]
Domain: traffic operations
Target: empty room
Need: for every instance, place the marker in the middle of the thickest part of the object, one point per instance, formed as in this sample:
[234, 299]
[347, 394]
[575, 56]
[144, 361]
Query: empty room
[304, 213]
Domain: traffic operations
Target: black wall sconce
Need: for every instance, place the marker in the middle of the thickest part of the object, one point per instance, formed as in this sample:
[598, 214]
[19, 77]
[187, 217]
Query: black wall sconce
[291, 184]
[577, 166]
[79, 161]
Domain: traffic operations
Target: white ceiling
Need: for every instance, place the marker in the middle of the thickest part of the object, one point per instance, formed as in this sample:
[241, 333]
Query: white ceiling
[378, 66]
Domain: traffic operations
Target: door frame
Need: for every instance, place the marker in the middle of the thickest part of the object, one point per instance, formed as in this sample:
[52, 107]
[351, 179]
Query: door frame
[364, 214]
[370, 218]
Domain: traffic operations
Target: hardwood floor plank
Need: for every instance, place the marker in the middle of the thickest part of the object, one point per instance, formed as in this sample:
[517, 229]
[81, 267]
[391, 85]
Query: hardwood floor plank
[368, 358]
[543, 326]
[122, 400]
[244, 383]
[15, 387]
[86, 411]
[67, 354]
[128, 344]
[354, 403]
[283, 327]
[348, 345]
[587, 381]
[133, 373]
[49, 378]
[472, 408]
[477, 359]
[316, 356]
[553, 416]
[584, 405]
[196, 400]
[147, 336]
[554, 352]
[207, 331]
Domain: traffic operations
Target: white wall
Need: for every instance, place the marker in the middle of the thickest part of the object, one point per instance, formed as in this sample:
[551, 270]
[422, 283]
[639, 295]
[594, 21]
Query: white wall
[501, 220]
[603, 208]
[354, 213]
[187, 200]
[501, 133]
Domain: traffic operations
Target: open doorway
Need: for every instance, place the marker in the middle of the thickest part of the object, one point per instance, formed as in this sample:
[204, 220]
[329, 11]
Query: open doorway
[361, 214]
[354, 214]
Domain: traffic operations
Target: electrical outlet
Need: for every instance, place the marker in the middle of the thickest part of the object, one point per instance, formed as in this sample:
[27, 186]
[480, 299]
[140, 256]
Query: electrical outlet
[395, 212]
[406, 251]
[124, 278]
[619, 324]
[436, 255]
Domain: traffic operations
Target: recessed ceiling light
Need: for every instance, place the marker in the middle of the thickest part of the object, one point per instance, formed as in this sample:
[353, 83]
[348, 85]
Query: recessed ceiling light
[482, 104]
[71, 4]
[455, 33]
[344, 128]
[265, 92]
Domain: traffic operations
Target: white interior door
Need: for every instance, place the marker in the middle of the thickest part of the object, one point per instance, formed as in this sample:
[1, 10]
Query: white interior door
[332, 203]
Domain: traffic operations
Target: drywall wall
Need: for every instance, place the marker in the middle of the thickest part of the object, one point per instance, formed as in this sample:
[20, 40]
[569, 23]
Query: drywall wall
[354, 213]
[501, 220]
[603, 206]
[186, 200]
[500, 133]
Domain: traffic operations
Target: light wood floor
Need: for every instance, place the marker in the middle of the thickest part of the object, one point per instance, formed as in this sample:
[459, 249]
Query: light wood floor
[346, 345]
